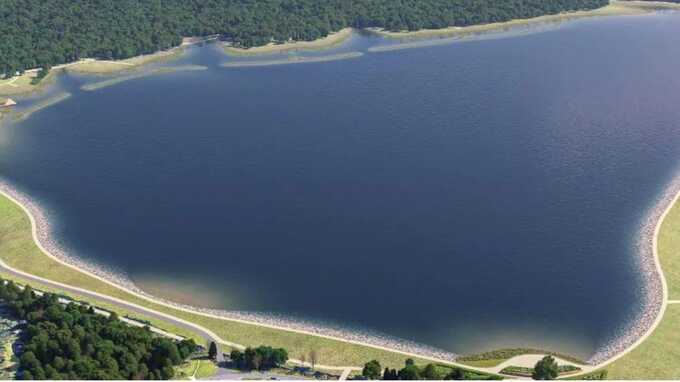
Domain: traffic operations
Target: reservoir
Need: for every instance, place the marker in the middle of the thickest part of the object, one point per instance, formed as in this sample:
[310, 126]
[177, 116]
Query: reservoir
[468, 195]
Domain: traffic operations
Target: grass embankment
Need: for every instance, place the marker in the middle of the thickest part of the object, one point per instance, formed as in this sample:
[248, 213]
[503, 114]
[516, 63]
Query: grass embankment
[469, 374]
[18, 250]
[198, 368]
[657, 357]
[327, 42]
[527, 372]
[25, 84]
[496, 357]
[206, 368]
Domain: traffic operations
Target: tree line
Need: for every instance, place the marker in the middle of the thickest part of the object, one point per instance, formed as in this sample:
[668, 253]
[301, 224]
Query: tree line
[545, 369]
[412, 372]
[74, 342]
[260, 358]
[44, 33]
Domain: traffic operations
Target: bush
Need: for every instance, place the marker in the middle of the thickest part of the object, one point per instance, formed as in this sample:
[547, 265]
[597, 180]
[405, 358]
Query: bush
[372, 370]
[261, 358]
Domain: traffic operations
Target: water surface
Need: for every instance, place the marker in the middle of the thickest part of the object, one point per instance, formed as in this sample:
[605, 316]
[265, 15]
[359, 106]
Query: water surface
[468, 196]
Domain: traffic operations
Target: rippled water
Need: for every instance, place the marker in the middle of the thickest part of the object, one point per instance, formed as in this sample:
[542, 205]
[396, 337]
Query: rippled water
[467, 196]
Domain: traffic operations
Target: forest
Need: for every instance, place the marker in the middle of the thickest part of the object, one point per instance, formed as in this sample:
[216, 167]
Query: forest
[44, 33]
[73, 342]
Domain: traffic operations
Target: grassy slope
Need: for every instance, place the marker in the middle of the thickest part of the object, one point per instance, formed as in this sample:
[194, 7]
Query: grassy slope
[18, 250]
[485, 362]
[198, 368]
[206, 369]
[23, 85]
[657, 357]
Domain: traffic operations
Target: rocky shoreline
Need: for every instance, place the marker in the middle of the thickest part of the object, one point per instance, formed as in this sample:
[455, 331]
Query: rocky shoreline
[653, 294]
[653, 287]
[43, 232]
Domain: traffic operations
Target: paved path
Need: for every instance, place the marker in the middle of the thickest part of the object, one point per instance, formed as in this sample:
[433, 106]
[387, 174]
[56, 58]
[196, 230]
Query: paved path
[345, 374]
[529, 360]
[210, 336]
[203, 332]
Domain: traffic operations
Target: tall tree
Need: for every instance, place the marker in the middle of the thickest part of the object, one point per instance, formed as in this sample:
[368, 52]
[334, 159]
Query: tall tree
[545, 369]
[212, 350]
[372, 370]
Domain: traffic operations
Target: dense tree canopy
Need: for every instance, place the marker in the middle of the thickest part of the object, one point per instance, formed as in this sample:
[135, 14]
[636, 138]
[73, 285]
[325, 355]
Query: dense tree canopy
[260, 358]
[430, 372]
[74, 342]
[372, 370]
[43, 33]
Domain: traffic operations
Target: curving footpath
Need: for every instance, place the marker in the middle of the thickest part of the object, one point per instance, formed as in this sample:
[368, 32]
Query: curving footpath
[529, 360]
[202, 331]
[346, 370]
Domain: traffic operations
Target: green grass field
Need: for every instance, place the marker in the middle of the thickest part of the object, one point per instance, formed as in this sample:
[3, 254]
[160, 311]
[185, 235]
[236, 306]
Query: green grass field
[654, 359]
[197, 368]
[19, 251]
[657, 357]
[496, 357]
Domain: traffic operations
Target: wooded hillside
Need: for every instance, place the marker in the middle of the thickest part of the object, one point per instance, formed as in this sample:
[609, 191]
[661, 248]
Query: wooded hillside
[43, 33]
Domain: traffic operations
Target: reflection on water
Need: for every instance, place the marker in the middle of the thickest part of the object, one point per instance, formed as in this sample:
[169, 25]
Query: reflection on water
[466, 196]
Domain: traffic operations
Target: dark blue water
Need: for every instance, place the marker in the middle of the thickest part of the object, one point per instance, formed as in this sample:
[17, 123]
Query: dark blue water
[467, 196]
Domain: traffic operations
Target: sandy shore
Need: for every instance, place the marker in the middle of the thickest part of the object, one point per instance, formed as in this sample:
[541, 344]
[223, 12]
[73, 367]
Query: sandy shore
[616, 8]
[119, 79]
[92, 66]
[292, 60]
[329, 41]
[43, 104]
[21, 85]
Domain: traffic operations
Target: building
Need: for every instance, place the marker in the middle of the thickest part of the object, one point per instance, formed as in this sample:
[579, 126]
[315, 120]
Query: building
[6, 102]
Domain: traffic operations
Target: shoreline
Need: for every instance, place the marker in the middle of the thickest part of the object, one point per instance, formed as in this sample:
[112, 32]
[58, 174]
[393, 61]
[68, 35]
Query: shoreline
[104, 67]
[92, 86]
[25, 90]
[331, 40]
[615, 8]
[634, 333]
[655, 287]
[291, 60]
[43, 237]
[23, 115]
[92, 66]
